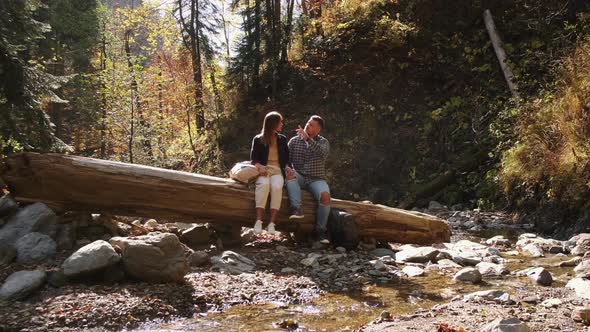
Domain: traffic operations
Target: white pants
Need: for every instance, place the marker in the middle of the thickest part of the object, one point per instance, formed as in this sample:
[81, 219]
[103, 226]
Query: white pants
[271, 183]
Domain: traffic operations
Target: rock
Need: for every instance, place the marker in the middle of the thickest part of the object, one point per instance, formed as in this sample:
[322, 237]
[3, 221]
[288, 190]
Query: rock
[527, 236]
[7, 205]
[492, 270]
[572, 262]
[417, 255]
[498, 241]
[533, 299]
[341, 249]
[35, 247]
[580, 286]
[196, 235]
[492, 295]
[288, 270]
[447, 264]
[540, 276]
[413, 271]
[580, 239]
[57, 278]
[582, 268]
[31, 218]
[155, 257]
[551, 303]
[579, 250]
[310, 261]
[378, 265]
[581, 314]
[7, 254]
[434, 205]
[533, 250]
[247, 235]
[21, 284]
[198, 258]
[380, 252]
[136, 222]
[465, 259]
[506, 325]
[90, 258]
[232, 262]
[151, 223]
[468, 274]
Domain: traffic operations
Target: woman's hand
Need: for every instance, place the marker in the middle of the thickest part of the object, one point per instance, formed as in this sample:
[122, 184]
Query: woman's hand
[263, 170]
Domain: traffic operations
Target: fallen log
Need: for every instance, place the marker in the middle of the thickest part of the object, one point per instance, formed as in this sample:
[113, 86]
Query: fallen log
[72, 183]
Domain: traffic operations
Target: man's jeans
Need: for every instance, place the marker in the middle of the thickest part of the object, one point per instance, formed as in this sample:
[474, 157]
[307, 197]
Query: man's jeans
[316, 187]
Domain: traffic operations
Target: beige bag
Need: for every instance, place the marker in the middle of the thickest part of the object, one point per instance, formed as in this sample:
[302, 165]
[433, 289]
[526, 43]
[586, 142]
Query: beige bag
[244, 172]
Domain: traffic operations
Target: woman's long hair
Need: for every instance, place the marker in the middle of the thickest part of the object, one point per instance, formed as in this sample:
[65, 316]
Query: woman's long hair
[270, 125]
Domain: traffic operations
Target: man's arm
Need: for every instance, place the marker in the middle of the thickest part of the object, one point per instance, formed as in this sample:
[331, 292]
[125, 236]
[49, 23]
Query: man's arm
[319, 148]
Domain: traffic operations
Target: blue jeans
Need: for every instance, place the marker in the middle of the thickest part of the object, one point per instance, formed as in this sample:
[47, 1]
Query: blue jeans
[316, 187]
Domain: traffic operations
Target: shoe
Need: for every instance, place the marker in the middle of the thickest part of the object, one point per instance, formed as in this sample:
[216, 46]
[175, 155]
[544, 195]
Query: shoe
[258, 227]
[271, 228]
[296, 214]
[324, 240]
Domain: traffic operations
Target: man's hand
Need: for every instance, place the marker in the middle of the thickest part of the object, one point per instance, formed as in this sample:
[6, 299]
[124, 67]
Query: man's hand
[290, 173]
[301, 133]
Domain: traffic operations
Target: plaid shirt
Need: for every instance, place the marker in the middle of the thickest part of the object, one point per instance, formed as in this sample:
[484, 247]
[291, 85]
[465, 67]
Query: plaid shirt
[309, 158]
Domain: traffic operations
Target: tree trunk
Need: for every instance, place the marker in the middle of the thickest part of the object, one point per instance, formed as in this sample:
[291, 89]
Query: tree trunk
[78, 183]
[500, 53]
[287, 36]
[103, 97]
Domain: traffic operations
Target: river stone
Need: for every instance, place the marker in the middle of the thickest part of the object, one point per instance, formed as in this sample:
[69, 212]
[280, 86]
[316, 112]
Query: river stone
[466, 245]
[380, 252]
[378, 265]
[7, 205]
[506, 325]
[580, 286]
[551, 303]
[533, 250]
[464, 259]
[198, 258]
[7, 254]
[492, 295]
[232, 262]
[581, 314]
[90, 258]
[580, 239]
[468, 274]
[35, 247]
[492, 270]
[31, 218]
[196, 235]
[21, 284]
[151, 223]
[583, 268]
[155, 257]
[413, 271]
[499, 241]
[579, 250]
[447, 264]
[540, 276]
[417, 255]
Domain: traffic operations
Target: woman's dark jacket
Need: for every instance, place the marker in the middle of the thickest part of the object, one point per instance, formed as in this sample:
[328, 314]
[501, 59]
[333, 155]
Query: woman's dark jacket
[259, 151]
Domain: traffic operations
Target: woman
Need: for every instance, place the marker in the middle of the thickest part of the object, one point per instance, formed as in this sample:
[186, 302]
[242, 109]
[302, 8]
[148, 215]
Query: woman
[270, 155]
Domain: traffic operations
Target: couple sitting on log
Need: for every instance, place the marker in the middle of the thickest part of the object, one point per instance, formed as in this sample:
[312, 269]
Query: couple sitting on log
[301, 162]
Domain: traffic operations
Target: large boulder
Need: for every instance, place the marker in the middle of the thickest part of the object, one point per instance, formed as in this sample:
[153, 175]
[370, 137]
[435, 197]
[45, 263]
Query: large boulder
[35, 247]
[540, 276]
[21, 284]
[155, 257]
[31, 218]
[581, 286]
[90, 258]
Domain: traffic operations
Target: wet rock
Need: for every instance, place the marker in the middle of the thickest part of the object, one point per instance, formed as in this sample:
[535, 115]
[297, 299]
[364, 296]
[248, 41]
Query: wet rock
[413, 271]
[21, 284]
[540, 276]
[468, 274]
[7, 254]
[580, 286]
[417, 255]
[571, 262]
[155, 257]
[31, 218]
[380, 252]
[198, 258]
[491, 270]
[232, 262]
[90, 258]
[506, 325]
[498, 241]
[533, 250]
[196, 235]
[492, 295]
[581, 314]
[35, 247]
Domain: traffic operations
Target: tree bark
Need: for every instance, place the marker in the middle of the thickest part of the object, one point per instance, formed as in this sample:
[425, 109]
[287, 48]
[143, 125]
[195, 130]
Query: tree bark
[500, 53]
[71, 183]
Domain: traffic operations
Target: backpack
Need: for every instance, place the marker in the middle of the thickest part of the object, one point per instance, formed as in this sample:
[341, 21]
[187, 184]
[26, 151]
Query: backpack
[244, 172]
[342, 229]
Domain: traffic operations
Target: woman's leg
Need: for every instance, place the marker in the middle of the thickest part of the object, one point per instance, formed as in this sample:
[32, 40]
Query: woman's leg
[260, 197]
[276, 195]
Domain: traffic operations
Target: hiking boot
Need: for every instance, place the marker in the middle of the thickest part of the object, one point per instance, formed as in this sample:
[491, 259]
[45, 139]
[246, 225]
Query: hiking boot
[258, 227]
[324, 240]
[271, 228]
[296, 214]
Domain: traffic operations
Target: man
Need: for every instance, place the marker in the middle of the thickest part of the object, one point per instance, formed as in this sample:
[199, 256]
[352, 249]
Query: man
[308, 152]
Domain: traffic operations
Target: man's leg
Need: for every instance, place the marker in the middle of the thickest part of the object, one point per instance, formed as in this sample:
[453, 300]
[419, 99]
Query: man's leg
[294, 185]
[321, 192]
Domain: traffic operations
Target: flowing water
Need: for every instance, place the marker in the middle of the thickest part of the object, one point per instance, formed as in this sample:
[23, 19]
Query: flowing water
[349, 311]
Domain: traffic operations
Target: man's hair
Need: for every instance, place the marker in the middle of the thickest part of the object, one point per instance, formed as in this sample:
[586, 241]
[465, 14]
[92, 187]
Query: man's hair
[318, 119]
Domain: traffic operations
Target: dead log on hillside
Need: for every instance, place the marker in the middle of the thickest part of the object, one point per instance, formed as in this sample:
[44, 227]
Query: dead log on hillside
[71, 183]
